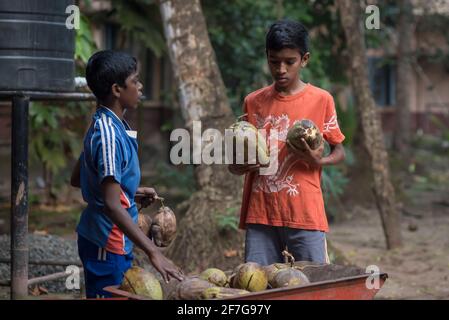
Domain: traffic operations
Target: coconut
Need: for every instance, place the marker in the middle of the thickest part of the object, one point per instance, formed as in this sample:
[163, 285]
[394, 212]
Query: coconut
[246, 134]
[289, 277]
[163, 228]
[272, 269]
[307, 130]
[141, 282]
[144, 221]
[221, 293]
[190, 288]
[214, 276]
[250, 276]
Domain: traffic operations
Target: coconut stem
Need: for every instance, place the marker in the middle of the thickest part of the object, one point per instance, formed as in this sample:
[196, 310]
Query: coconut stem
[289, 256]
[161, 200]
[243, 117]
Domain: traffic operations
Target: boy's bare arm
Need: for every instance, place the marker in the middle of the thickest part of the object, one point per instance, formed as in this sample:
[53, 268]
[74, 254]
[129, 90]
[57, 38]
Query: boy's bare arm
[336, 155]
[315, 157]
[75, 179]
[114, 210]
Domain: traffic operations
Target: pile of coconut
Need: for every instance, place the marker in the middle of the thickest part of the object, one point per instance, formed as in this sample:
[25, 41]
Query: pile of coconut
[214, 283]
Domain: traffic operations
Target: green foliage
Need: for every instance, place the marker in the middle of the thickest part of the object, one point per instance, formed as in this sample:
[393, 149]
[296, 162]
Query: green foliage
[437, 143]
[175, 177]
[333, 182]
[228, 221]
[237, 31]
[438, 123]
[434, 52]
[347, 120]
[334, 178]
[140, 20]
[52, 139]
[84, 43]
[389, 12]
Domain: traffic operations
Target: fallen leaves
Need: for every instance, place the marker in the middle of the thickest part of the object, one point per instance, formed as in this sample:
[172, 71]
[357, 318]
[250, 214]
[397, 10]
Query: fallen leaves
[230, 253]
[38, 290]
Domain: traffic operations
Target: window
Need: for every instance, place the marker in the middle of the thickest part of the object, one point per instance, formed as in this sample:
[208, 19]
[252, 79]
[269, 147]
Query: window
[382, 78]
[110, 36]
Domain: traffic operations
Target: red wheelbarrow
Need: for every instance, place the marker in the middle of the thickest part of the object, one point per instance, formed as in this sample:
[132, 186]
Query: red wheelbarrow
[327, 282]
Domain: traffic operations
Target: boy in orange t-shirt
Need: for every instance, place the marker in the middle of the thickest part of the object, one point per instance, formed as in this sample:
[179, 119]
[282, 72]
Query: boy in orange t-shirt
[286, 209]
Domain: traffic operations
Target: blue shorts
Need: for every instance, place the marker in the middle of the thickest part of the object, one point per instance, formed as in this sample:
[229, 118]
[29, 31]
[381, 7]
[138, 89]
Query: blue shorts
[101, 268]
[264, 244]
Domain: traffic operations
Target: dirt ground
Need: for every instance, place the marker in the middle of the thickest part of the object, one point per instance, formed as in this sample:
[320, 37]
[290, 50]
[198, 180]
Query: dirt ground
[418, 270]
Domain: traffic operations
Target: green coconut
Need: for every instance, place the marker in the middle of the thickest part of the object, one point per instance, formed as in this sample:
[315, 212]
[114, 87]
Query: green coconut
[191, 288]
[141, 282]
[304, 129]
[272, 269]
[250, 276]
[289, 277]
[247, 134]
[214, 276]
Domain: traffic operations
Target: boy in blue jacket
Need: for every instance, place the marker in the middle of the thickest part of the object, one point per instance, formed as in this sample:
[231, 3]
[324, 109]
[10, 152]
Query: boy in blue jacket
[108, 174]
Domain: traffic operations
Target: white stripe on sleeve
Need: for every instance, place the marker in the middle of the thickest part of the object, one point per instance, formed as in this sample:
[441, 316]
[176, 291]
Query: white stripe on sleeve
[108, 143]
[113, 144]
[103, 145]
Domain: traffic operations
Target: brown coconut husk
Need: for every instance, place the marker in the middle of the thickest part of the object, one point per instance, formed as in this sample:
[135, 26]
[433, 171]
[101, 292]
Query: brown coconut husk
[286, 274]
[272, 269]
[289, 277]
[144, 221]
[191, 288]
[163, 228]
[304, 129]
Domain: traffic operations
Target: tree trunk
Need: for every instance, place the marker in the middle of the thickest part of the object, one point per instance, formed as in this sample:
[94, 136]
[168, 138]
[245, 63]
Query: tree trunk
[202, 96]
[372, 130]
[404, 82]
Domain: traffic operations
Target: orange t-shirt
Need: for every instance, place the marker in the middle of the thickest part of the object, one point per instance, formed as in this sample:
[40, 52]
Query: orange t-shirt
[291, 197]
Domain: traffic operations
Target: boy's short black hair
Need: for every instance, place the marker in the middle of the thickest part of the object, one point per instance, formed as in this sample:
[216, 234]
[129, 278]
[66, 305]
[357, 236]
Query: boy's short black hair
[107, 67]
[287, 34]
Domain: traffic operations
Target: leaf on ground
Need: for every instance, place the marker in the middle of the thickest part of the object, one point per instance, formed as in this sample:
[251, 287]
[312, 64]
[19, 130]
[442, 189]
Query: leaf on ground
[230, 253]
[38, 290]
[40, 232]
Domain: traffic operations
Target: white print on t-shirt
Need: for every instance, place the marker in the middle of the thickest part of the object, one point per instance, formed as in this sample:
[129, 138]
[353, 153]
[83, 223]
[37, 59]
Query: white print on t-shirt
[281, 179]
[280, 123]
[331, 124]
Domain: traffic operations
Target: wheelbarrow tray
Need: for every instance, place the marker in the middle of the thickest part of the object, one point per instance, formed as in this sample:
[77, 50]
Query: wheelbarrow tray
[327, 282]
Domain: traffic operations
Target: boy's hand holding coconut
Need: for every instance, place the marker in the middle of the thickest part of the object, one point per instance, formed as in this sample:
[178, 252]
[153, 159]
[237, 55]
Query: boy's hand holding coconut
[249, 136]
[305, 140]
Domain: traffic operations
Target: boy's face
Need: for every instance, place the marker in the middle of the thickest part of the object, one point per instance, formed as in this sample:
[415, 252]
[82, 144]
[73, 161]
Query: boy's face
[285, 66]
[130, 94]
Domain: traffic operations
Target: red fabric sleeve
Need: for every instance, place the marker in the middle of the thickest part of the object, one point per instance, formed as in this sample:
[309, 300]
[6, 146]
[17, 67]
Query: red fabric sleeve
[331, 129]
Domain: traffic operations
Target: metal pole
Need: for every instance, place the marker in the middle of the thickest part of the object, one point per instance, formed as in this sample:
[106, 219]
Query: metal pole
[33, 281]
[19, 198]
[50, 277]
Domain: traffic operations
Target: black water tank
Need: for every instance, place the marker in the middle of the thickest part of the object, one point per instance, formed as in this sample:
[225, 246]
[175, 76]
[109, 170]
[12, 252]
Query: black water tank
[36, 47]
